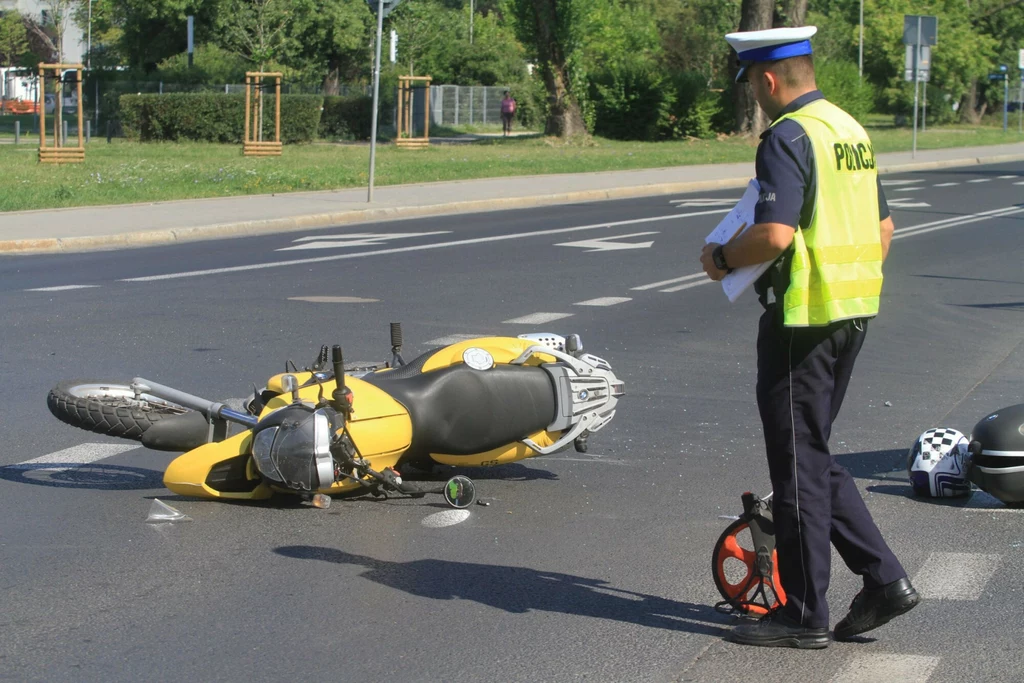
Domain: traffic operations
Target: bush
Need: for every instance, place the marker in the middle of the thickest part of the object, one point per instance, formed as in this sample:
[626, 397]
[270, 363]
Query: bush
[841, 83]
[698, 110]
[214, 117]
[347, 118]
[632, 102]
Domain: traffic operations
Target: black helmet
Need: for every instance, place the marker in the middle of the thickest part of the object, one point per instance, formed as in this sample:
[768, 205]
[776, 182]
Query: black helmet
[997, 447]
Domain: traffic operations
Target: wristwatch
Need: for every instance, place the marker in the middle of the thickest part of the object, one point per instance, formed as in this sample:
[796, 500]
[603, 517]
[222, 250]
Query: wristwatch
[719, 258]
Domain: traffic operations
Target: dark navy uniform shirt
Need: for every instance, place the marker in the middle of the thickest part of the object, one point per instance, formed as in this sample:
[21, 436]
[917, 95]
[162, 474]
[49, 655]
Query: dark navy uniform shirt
[785, 171]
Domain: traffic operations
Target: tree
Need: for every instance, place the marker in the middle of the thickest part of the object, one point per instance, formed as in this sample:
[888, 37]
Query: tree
[423, 25]
[551, 30]
[255, 30]
[755, 15]
[332, 38]
[13, 38]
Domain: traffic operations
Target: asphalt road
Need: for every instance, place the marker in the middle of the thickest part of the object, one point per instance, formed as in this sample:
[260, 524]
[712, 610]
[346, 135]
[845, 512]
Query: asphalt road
[584, 567]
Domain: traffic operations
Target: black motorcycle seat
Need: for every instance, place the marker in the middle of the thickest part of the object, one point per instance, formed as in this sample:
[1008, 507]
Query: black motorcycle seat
[461, 411]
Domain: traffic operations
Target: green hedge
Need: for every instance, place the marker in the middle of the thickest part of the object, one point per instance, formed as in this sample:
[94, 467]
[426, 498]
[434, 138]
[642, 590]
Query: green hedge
[347, 118]
[214, 117]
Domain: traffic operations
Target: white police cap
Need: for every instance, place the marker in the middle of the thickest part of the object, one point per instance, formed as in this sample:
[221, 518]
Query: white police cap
[770, 45]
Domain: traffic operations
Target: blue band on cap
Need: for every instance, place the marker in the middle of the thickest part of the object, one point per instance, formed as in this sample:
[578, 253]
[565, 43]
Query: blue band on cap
[774, 52]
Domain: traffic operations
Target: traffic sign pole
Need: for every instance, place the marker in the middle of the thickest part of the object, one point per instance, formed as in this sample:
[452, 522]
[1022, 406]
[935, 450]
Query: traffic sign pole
[376, 90]
[917, 50]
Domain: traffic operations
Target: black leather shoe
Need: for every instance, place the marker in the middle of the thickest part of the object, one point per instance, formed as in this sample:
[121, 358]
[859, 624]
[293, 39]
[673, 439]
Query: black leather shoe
[876, 606]
[777, 630]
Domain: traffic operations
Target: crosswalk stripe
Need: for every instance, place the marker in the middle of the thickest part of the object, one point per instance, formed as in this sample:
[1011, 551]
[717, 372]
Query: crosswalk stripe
[955, 576]
[655, 285]
[604, 301]
[679, 288]
[537, 318]
[887, 667]
[76, 456]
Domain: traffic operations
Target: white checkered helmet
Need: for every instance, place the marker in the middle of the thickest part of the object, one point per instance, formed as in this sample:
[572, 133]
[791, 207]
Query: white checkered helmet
[938, 463]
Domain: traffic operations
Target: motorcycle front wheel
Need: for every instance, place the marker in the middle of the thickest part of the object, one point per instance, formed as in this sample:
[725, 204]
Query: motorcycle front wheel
[108, 408]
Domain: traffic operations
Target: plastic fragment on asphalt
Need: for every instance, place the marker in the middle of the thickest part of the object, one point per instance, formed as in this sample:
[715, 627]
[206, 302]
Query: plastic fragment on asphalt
[160, 512]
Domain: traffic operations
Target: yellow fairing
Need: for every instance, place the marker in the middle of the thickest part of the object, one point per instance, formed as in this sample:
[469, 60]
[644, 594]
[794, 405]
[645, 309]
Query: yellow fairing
[500, 455]
[380, 427]
[503, 349]
[187, 475]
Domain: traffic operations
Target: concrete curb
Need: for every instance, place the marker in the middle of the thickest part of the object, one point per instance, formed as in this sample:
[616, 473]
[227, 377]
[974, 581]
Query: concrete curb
[324, 220]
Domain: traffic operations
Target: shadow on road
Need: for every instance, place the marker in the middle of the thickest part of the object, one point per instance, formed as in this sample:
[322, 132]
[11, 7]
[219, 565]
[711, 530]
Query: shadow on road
[521, 589]
[77, 476]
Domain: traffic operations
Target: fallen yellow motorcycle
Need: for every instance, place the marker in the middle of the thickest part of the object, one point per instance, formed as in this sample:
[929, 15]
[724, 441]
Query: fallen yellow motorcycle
[321, 431]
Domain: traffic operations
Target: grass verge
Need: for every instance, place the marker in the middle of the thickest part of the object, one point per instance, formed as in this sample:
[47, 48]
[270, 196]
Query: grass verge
[125, 172]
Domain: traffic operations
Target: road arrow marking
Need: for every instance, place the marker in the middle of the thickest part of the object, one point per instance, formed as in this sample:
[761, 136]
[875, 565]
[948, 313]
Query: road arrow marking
[605, 243]
[359, 239]
[703, 201]
[907, 204]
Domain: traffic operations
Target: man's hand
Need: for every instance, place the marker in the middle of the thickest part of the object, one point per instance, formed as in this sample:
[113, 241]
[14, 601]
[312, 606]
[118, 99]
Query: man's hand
[710, 268]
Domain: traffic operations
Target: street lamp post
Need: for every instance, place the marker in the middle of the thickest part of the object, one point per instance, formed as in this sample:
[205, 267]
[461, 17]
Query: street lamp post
[860, 55]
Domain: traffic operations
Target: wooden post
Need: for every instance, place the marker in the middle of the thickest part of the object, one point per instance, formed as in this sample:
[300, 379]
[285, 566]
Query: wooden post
[81, 129]
[426, 111]
[406, 101]
[42, 107]
[248, 92]
[277, 110]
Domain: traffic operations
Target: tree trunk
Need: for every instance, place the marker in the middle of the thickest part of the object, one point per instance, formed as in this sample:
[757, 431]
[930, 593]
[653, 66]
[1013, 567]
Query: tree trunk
[755, 15]
[969, 105]
[565, 119]
[793, 13]
[332, 81]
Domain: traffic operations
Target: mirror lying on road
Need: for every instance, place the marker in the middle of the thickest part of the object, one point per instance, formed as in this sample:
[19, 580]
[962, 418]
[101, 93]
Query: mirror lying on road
[460, 492]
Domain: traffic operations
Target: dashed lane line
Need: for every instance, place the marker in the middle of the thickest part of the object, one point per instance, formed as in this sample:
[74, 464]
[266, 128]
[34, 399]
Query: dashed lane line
[537, 318]
[891, 183]
[909, 189]
[872, 668]
[62, 288]
[980, 180]
[945, 184]
[604, 301]
[689, 285]
[655, 285]
[76, 456]
[955, 576]
[1007, 177]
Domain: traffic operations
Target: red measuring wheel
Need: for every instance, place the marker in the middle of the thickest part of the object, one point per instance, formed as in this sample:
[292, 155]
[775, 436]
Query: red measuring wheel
[734, 567]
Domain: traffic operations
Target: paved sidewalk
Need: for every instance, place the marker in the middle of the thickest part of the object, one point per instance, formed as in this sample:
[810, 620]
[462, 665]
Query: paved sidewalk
[134, 225]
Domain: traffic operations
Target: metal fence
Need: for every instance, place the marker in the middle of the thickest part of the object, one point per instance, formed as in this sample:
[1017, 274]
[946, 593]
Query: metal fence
[462, 105]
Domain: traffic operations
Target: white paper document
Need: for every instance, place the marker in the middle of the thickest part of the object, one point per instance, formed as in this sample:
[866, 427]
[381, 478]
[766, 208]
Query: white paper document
[732, 226]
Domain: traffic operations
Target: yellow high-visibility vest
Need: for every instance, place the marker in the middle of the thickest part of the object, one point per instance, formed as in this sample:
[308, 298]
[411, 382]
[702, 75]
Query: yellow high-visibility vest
[836, 266]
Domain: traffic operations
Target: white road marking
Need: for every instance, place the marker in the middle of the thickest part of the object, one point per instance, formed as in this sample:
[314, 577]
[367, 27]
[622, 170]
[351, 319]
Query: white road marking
[690, 285]
[890, 183]
[333, 299]
[655, 285]
[604, 301]
[923, 228]
[945, 184]
[878, 667]
[897, 203]
[453, 339]
[684, 203]
[538, 318]
[955, 576]
[445, 518]
[606, 243]
[1020, 183]
[359, 239]
[1008, 177]
[419, 247]
[980, 180]
[61, 288]
[76, 456]
[908, 189]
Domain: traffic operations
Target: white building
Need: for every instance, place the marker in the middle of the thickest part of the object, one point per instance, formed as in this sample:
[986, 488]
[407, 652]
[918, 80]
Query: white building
[74, 38]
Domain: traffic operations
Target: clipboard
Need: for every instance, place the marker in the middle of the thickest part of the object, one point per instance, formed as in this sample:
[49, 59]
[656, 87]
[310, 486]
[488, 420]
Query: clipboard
[735, 223]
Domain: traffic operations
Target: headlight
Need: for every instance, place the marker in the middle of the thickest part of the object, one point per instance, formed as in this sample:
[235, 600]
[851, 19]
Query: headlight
[292, 447]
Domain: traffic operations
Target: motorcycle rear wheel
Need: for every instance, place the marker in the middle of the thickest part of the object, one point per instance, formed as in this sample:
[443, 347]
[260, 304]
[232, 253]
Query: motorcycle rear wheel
[108, 408]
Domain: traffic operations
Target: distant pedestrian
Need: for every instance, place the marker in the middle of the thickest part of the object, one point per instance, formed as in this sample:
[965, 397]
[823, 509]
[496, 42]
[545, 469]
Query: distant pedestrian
[508, 110]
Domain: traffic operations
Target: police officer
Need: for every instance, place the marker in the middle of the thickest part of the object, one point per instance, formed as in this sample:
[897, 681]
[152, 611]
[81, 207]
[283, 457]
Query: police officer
[823, 222]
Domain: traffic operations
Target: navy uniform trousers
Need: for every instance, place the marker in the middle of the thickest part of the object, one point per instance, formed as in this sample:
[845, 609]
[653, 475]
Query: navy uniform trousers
[802, 376]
